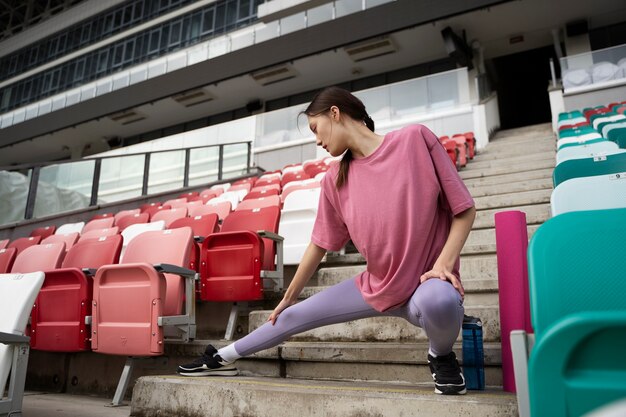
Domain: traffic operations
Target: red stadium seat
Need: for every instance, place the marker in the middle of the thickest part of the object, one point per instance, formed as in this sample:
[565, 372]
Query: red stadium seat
[232, 260]
[260, 194]
[123, 222]
[130, 298]
[98, 224]
[271, 201]
[150, 211]
[124, 213]
[59, 318]
[293, 176]
[221, 208]
[94, 234]
[267, 181]
[7, 257]
[168, 216]
[202, 226]
[44, 257]
[266, 188]
[469, 142]
[452, 150]
[24, 242]
[146, 206]
[189, 195]
[176, 202]
[102, 216]
[44, 232]
[304, 186]
[69, 239]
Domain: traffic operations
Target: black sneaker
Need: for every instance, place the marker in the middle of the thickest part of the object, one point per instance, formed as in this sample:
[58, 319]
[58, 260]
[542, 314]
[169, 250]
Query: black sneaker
[210, 363]
[447, 374]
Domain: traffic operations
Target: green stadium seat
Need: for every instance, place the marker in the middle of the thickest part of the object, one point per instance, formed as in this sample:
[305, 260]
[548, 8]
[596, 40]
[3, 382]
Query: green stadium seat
[587, 167]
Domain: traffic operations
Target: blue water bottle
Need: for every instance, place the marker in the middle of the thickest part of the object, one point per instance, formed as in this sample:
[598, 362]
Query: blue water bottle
[473, 357]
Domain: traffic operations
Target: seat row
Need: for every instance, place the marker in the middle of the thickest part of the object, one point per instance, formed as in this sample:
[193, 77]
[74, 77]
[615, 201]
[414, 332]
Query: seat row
[591, 160]
[576, 286]
[460, 148]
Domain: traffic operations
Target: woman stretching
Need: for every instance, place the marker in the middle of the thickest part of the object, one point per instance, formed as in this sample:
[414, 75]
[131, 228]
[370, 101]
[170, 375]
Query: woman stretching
[401, 201]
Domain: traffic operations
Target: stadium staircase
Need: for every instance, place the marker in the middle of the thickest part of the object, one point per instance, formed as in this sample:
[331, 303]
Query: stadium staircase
[372, 367]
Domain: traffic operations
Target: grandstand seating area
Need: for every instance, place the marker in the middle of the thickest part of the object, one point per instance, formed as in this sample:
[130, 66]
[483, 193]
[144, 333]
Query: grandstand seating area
[125, 283]
[576, 295]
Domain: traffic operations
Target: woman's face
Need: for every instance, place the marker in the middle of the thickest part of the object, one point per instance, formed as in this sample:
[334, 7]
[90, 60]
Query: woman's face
[328, 133]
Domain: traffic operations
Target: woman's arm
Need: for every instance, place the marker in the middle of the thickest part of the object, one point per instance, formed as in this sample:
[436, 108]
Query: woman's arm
[310, 261]
[459, 230]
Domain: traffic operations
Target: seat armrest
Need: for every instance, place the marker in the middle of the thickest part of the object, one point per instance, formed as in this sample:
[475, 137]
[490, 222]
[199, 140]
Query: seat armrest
[90, 272]
[174, 269]
[270, 235]
[10, 338]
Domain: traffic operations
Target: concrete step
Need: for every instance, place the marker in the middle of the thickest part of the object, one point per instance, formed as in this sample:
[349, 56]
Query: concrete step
[483, 241]
[535, 214]
[509, 178]
[513, 199]
[507, 150]
[531, 130]
[165, 396]
[355, 361]
[484, 161]
[469, 173]
[382, 329]
[477, 190]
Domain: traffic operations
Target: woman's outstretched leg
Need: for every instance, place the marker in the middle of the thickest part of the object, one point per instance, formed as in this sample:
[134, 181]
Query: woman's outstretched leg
[337, 304]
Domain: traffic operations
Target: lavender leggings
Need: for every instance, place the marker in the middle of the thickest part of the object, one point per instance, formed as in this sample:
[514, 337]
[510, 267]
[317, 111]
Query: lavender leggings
[435, 306]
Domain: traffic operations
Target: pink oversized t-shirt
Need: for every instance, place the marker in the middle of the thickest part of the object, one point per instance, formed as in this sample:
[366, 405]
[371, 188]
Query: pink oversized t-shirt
[396, 206]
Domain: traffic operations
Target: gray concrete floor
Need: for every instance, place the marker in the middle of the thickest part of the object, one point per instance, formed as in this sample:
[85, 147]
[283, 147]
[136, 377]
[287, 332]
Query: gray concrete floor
[41, 404]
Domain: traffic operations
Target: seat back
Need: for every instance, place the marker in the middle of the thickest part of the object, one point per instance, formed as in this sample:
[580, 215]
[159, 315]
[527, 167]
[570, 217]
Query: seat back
[271, 201]
[589, 193]
[44, 232]
[201, 225]
[17, 295]
[98, 224]
[7, 257]
[123, 213]
[70, 228]
[260, 193]
[296, 223]
[305, 185]
[266, 218]
[24, 242]
[586, 151]
[39, 258]
[69, 239]
[587, 167]
[176, 202]
[221, 208]
[169, 216]
[94, 234]
[135, 230]
[137, 218]
[164, 247]
[577, 291]
[93, 253]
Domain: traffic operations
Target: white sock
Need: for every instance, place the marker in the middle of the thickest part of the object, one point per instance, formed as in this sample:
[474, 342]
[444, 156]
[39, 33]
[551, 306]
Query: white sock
[228, 353]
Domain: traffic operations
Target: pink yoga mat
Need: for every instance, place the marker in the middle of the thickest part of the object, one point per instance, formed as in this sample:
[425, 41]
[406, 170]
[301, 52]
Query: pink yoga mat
[511, 248]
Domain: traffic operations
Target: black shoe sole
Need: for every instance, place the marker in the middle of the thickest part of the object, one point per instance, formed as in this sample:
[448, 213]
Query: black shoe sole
[210, 372]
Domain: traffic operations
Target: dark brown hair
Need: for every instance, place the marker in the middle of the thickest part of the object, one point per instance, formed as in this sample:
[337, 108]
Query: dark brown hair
[347, 104]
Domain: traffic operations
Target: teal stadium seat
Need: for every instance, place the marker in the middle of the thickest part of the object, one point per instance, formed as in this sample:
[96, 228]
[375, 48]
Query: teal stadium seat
[589, 193]
[586, 167]
[618, 136]
[577, 276]
[587, 151]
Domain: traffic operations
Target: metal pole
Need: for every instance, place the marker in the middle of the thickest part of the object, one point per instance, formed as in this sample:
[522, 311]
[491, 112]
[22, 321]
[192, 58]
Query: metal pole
[146, 173]
[249, 157]
[553, 73]
[220, 163]
[32, 193]
[186, 174]
[96, 182]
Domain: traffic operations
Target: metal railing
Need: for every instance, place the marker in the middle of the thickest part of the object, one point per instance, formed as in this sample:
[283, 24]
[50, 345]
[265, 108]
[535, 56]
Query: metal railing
[43, 189]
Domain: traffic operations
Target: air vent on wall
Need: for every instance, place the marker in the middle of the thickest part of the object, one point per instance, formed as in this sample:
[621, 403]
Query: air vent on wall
[193, 97]
[127, 117]
[370, 49]
[274, 74]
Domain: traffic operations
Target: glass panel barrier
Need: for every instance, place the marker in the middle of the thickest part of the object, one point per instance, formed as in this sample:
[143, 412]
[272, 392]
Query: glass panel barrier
[167, 170]
[64, 187]
[235, 160]
[121, 178]
[203, 165]
[594, 67]
[346, 7]
[13, 195]
[319, 14]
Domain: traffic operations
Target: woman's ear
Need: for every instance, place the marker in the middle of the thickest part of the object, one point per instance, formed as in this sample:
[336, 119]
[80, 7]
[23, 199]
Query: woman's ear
[334, 113]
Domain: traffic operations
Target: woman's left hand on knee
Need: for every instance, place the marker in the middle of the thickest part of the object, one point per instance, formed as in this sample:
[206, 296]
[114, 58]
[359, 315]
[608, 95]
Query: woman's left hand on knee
[445, 274]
